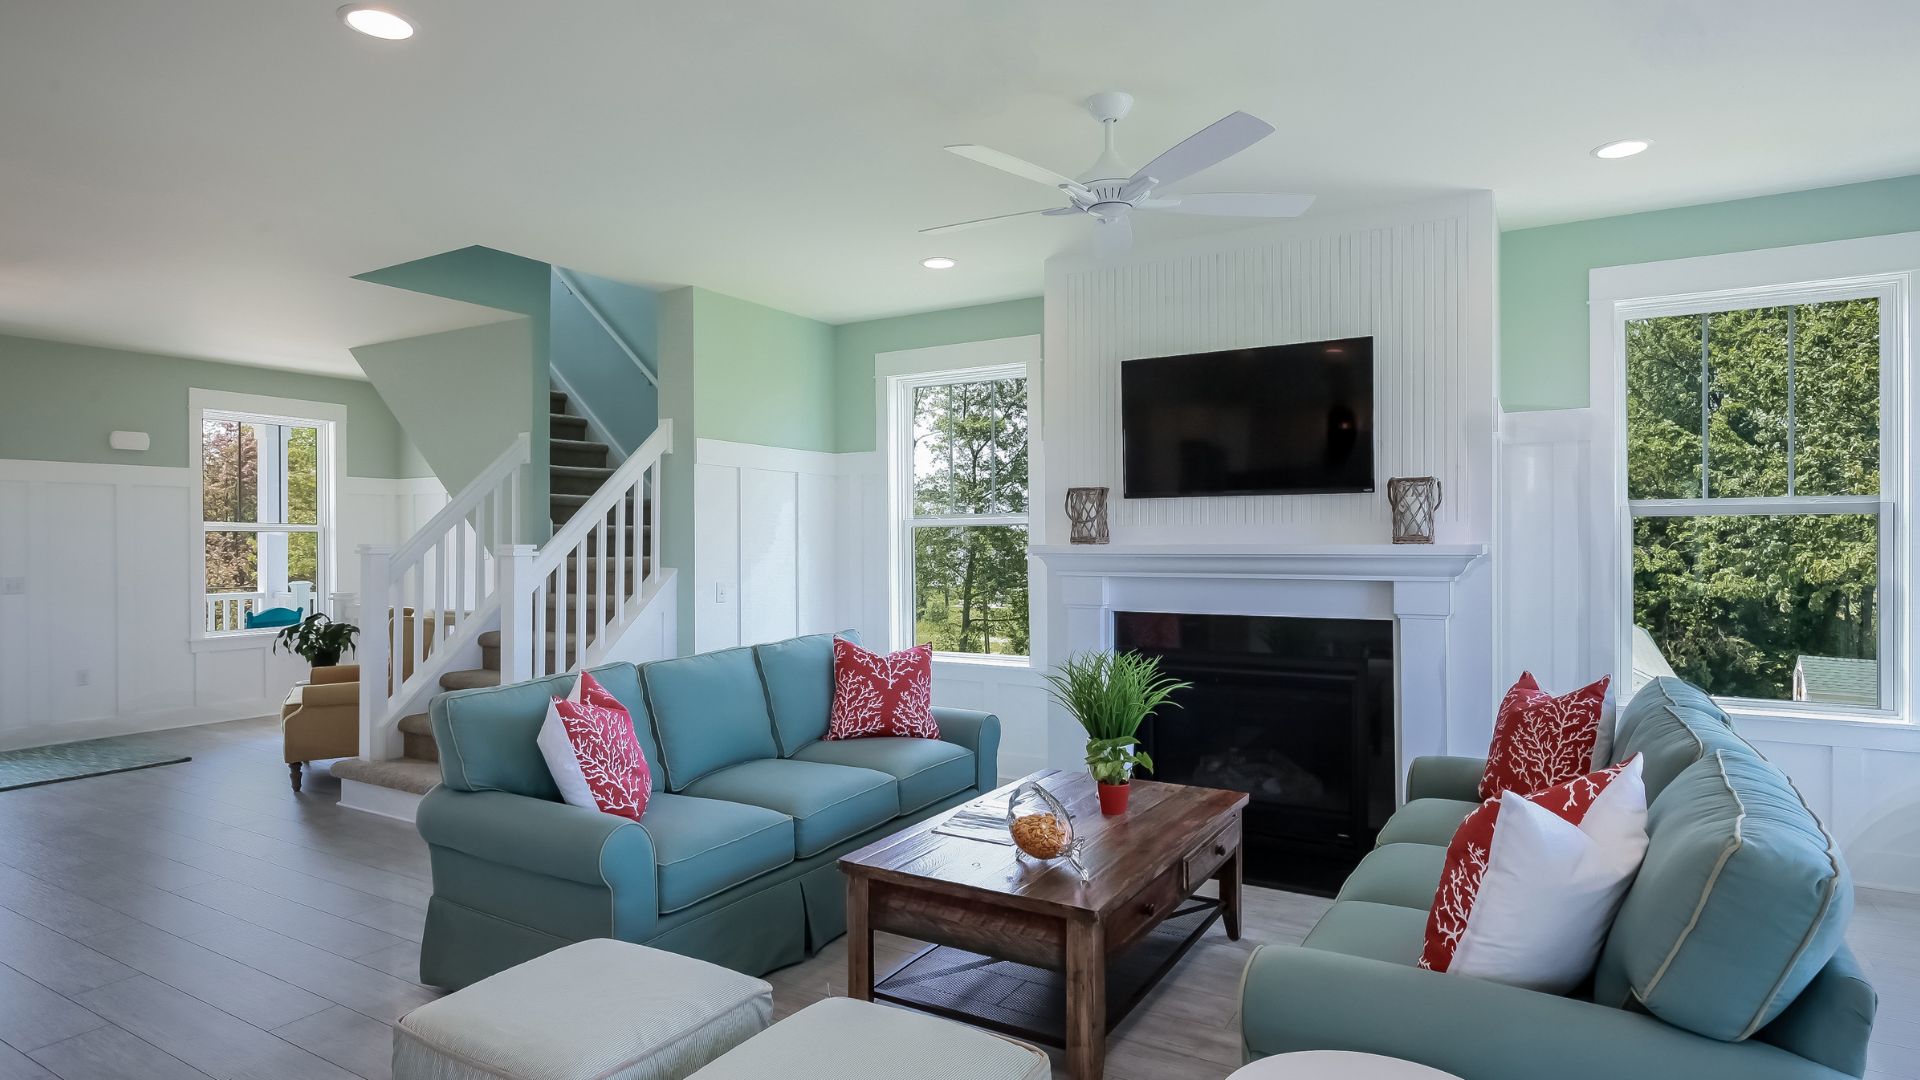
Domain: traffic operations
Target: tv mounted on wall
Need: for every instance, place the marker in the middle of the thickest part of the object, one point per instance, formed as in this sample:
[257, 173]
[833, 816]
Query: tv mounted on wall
[1276, 420]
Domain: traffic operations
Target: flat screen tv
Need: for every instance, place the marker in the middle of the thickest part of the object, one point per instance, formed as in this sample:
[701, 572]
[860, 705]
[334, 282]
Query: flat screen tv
[1276, 420]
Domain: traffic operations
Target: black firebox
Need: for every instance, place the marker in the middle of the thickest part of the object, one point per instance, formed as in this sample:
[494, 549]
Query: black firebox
[1297, 713]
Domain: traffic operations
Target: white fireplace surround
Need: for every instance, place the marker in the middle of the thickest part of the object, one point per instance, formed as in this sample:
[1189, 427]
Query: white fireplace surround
[1442, 656]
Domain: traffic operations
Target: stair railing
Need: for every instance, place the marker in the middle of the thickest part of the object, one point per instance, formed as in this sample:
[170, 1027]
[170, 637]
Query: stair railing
[570, 599]
[425, 603]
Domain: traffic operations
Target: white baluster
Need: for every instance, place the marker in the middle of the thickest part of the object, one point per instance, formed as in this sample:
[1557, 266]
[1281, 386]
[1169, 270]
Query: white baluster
[620, 559]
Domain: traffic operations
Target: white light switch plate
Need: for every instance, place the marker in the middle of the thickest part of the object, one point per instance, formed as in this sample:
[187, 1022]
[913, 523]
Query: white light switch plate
[13, 586]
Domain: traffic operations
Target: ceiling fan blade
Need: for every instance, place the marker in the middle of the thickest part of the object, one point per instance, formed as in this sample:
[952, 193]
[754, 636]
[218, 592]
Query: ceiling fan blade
[1205, 148]
[1233, 204]
[937, 229]
[1113, 237]
[1062, 211]
[1007, 163]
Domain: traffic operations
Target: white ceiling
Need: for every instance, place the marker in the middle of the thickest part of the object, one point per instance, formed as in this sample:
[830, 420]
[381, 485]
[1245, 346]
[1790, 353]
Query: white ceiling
[204, 176]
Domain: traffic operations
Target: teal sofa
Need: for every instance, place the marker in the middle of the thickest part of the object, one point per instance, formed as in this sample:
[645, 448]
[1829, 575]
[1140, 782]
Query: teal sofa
[1725, 961]
[734, 861]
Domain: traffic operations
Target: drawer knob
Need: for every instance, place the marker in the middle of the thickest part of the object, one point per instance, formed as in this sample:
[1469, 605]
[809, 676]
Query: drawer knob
[1219, 849]
[1149, 908]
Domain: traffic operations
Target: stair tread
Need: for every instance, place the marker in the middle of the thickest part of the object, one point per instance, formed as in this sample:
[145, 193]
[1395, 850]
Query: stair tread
[468, 680]
[600, 472]
[401, 774]
[577, 444]
[417, 724]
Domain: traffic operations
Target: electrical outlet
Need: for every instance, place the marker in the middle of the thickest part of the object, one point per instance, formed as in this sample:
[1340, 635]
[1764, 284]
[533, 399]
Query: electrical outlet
[83, 677]
[13, 586]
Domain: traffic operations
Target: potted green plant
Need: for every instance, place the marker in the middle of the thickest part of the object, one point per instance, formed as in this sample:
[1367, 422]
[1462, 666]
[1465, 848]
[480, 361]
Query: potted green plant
[318, 639]
[1112, 694]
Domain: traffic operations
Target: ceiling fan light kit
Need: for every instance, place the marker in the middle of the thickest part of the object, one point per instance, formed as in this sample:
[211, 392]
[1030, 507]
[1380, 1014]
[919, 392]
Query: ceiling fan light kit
[1110, 193]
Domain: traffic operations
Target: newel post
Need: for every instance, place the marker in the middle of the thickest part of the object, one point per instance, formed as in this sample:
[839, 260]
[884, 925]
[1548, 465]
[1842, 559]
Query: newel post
[515, 563]
[373, 650]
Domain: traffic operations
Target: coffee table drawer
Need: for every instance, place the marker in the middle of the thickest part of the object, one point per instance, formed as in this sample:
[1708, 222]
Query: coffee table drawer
[1207, 857]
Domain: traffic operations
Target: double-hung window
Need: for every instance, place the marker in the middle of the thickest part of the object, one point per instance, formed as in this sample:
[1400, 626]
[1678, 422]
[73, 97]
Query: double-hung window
[263, 517]
[1758, 429]
[960, 466]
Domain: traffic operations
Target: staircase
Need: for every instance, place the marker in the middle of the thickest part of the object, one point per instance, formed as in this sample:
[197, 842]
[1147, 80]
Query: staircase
[573, 596]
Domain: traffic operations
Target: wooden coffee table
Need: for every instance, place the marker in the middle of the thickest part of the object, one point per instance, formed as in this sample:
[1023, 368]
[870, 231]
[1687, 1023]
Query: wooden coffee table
[1031, 931]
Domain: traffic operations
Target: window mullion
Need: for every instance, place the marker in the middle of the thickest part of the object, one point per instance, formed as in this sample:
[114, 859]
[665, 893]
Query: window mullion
[1792, 421]
[1706, 411]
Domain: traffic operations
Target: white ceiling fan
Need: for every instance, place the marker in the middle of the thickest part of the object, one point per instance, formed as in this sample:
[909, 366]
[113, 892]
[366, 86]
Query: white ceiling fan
[1110, 193]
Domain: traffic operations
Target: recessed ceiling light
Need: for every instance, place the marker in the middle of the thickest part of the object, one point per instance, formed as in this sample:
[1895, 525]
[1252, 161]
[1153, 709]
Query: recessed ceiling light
[375, 20]
[1622, 148]
[938, 262]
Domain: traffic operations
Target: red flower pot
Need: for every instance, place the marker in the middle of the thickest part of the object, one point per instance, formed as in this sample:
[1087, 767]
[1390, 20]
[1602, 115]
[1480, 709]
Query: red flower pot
[1113, 799]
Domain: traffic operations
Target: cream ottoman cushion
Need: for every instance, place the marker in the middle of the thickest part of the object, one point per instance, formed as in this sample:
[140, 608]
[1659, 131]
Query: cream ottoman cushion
[594, 1010]
[841, 1039]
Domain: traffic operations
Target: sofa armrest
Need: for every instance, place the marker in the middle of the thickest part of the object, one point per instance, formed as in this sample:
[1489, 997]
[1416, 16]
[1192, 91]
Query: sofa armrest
[1445, 778]
[1295, 998]
[978, 732]
[552, 840]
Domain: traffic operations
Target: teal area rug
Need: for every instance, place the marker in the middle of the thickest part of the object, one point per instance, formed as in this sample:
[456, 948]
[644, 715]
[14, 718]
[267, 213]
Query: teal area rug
[76, 760]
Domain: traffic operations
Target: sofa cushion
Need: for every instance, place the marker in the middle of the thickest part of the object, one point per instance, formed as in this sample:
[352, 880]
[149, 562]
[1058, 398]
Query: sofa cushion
[709, 711]
[1386, 932]
[1831, 1022]
[1662, 691]
[1742, 899]
[1670, 738]
[1426, 821]
[1405, 875]
[487, 736]
[798, 676]
[828, 803]
[704, 846]
[926, 769]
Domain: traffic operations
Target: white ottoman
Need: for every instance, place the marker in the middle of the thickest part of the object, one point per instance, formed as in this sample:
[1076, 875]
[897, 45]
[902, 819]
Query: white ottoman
[1336, 1065]
[843, 1039]
[594, 1010]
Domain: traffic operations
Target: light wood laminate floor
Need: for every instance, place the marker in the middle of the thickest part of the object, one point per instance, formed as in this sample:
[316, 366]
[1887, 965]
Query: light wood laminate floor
[202, 920]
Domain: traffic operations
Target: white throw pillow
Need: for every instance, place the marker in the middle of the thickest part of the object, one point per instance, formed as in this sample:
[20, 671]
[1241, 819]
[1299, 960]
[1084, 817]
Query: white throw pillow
[1551, 888]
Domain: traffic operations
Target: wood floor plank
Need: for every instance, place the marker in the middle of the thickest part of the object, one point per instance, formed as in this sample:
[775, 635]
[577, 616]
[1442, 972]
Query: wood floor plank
[113, 1053]
[52, 959]
[297, 921]
[226, 984]
[15, 1065]
[345, 982]
[212, 1041]
[54, 907]
[32, 1016]
[359, 1044]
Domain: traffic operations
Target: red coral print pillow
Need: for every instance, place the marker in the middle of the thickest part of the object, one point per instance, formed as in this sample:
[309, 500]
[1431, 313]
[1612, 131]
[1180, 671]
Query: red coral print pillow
[875, 694]
[593, 753]
[1472, 846]
[1540, 740]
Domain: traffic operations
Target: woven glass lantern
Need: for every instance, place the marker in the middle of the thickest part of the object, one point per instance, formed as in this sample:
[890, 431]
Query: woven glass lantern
[1414, 499]
[1087, 511]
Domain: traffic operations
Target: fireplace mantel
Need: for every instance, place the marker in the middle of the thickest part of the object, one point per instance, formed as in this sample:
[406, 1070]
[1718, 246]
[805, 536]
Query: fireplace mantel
[1339, 562]
[1443, 626]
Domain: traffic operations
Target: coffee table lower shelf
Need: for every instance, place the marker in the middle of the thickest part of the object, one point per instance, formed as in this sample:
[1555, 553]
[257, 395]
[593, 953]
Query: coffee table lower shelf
[1029, 1002]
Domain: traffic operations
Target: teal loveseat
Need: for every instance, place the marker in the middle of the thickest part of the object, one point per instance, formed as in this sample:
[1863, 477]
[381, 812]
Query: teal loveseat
[1725, 961]
[733, 861]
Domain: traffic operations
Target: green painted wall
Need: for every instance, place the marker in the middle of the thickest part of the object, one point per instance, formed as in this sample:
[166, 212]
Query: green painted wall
[761, 375]
[1543, 271]
[58, 402]
[463, 392]
[856, 344]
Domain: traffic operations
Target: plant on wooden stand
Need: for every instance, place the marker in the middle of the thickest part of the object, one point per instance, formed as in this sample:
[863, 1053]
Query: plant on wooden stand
[317, 639]
[1112, 694]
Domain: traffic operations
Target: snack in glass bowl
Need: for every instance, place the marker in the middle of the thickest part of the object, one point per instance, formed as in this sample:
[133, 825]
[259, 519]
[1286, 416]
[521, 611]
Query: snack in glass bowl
[1041, 827]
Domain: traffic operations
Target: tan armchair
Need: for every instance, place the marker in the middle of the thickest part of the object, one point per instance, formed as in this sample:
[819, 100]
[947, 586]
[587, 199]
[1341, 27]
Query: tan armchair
[321, 718]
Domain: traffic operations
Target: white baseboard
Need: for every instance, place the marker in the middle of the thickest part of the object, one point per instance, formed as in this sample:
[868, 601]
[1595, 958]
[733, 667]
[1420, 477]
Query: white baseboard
[374, 799]
[138, 723]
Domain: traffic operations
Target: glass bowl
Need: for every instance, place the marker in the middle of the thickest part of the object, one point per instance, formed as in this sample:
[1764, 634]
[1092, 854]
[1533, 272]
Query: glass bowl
[1041, 827]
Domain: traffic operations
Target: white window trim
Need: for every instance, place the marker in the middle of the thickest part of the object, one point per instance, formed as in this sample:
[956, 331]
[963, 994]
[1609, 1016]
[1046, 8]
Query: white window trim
[331, 420]
[897, 375]
[1883, 266]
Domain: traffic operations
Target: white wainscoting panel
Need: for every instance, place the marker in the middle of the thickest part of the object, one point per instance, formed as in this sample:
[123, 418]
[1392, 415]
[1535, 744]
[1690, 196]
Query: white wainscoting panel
[1547, 533]
[1419, 280]
[95, 611]
[784, 543]
[1013, 692]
